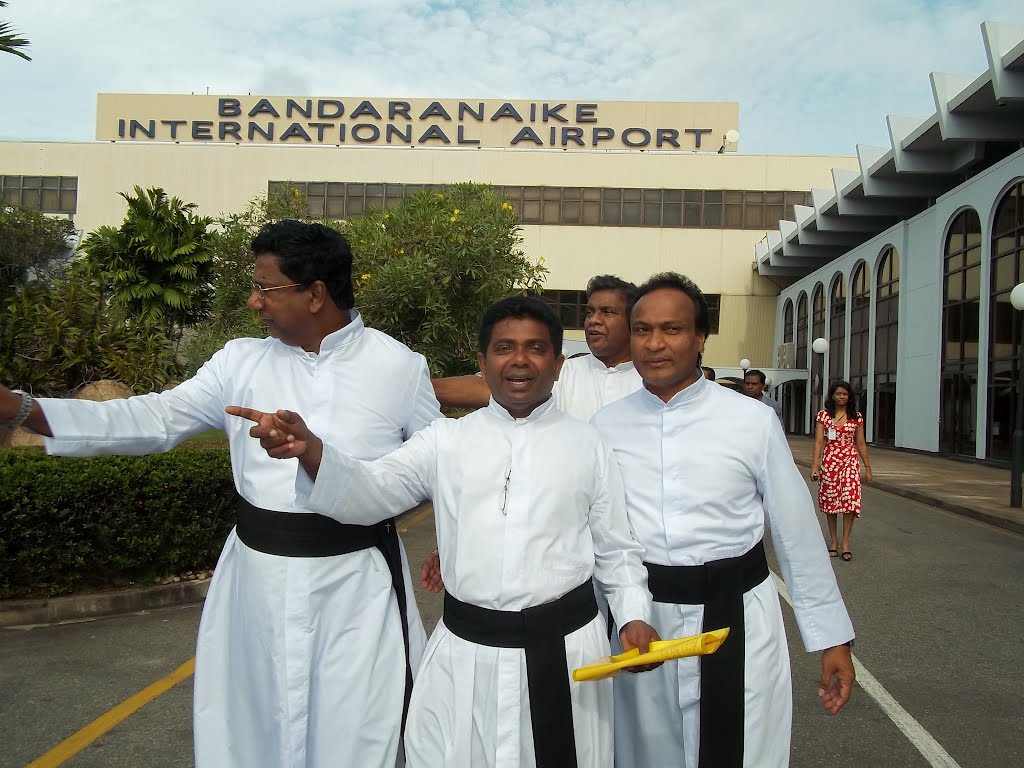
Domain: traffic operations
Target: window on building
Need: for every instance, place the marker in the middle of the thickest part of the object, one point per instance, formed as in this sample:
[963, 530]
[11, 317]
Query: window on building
[837, 329]
[860, 322]
[817, 361]
[801, 331]
[887, 304]
[787, 322]
[1004, 338]
[46, 194]
[580, 206]
[571, 305]
[961, 290]
[714, 311]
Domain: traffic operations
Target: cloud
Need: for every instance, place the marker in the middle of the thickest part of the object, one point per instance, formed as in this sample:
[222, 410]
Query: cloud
[810, 77]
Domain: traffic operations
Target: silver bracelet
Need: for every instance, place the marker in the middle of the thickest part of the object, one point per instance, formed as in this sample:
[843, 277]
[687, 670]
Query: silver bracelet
[23, 411]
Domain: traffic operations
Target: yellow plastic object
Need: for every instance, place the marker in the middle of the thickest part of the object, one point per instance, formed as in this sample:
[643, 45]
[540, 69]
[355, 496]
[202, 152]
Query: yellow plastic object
[661, 650]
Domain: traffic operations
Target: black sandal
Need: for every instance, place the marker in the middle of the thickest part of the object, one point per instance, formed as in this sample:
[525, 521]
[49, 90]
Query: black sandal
[847, 556]
[833, 553]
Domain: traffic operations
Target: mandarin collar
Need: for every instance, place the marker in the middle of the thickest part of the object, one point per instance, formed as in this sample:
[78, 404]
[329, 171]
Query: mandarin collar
[595, 363]
[336, 340]
[538, 413]
[680, 399]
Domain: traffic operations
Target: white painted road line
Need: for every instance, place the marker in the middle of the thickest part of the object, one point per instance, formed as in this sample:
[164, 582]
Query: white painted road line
[923, 741]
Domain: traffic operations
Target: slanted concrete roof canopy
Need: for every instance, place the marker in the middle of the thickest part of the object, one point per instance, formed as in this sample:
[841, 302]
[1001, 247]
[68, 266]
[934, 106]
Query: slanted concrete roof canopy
[977, 122]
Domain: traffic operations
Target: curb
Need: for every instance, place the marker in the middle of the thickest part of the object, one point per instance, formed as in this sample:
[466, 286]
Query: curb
[935, 501]
[18, 613]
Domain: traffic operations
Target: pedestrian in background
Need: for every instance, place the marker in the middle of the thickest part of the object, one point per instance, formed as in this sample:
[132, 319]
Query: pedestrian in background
[839, 448]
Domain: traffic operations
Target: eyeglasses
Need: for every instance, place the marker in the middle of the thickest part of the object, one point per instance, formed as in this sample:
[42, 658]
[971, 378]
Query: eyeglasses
[263, 291]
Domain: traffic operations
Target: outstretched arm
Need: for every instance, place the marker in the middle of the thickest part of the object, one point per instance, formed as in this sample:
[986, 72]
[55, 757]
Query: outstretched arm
[10, 406]
[283, 435]
[343, 487]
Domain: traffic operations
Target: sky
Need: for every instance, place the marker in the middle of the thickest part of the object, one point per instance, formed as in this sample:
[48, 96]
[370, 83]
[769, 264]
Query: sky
[810, 77]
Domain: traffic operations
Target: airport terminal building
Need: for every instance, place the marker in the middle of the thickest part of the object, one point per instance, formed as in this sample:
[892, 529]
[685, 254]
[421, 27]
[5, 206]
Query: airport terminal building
[905, 266]
[627, 188]
[902, 257]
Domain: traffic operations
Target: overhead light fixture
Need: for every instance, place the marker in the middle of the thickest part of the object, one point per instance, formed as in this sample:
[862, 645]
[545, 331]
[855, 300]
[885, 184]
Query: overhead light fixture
[729, 137]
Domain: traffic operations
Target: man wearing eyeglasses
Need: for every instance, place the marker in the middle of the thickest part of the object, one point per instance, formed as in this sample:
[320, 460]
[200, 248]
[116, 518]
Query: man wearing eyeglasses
[309, 634]
[530, 514]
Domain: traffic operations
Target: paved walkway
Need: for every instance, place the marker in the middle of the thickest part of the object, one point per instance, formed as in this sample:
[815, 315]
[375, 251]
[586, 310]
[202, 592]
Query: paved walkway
[963, 487]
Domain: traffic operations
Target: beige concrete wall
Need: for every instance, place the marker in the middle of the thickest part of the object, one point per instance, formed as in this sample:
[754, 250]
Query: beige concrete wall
[223, 178]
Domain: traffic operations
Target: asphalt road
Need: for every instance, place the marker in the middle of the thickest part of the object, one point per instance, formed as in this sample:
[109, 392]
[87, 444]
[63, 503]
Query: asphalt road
[935, 599]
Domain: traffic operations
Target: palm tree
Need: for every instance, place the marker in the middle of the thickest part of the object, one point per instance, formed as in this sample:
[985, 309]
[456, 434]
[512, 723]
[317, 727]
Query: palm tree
[159, 262]
[9, 40]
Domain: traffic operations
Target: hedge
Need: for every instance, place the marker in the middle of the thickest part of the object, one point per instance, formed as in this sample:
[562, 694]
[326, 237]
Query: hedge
[69, 524]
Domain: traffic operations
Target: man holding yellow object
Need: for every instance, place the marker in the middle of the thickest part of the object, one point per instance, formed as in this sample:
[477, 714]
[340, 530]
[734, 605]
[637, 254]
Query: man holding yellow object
[704, 469]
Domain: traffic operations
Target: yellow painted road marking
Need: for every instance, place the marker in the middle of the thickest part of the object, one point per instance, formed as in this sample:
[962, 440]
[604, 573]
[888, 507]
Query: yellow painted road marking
[79, 741]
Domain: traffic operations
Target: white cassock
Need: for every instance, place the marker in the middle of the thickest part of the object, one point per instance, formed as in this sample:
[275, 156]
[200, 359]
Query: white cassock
[702, 473]
[586, 385]
[526, 511]
[299, 660]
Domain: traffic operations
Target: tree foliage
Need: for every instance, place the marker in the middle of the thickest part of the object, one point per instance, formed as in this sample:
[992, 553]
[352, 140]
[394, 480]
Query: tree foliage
[9, 40]
[55, 338]
[233, 263]
[426, 269]
[28, 239]
[158, 262]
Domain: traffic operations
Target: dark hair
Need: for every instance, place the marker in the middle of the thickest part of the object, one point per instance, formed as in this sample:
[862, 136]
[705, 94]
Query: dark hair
[851, 404]
[709, 372]
[628, 291]
[520, 307]
[309, 252]
[755, 372]
[680, 283]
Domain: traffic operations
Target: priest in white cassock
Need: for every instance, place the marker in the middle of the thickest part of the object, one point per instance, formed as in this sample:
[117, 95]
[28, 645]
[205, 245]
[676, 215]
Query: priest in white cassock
[530, 514]
[309, 633]
[704, 470]
[586, 383]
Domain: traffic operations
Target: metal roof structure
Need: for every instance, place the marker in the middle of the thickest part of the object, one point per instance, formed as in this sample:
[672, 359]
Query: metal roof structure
[978, 121]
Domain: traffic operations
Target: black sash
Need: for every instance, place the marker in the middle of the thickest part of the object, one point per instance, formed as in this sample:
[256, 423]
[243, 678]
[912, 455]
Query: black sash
[541, 631]
[290, 534]
[719, 586]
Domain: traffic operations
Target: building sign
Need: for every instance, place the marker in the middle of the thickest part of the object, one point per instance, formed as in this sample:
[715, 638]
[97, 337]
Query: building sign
[479, 123]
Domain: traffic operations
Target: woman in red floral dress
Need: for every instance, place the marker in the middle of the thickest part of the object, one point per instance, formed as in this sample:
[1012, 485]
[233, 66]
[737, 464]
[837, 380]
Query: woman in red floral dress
[839, 446]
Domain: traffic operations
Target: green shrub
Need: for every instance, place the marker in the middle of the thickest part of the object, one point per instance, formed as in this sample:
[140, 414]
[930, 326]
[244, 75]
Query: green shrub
[55, 338]
[68, 524]
[426, 269]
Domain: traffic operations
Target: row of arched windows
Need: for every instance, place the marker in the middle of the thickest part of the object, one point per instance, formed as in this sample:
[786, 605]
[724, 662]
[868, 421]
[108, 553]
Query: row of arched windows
[962, 323]
[887, 286]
